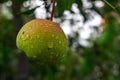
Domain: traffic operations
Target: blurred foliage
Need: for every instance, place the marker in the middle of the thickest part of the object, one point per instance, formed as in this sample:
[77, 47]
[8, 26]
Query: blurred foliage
[64, 5]
[98, 62]
[28, 12]
[2, 1]
[7, 54]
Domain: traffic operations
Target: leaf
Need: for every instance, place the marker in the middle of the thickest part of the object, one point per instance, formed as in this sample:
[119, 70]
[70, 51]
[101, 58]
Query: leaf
[110, 5]
[2, 1]
[63, 5]
[28, 12]
[19, 1]
[79, 2]
[118, 9]
[80, 6]
[99, 11]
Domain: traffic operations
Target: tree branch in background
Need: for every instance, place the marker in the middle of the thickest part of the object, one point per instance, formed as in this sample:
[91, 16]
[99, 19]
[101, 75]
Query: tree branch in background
[23, 71]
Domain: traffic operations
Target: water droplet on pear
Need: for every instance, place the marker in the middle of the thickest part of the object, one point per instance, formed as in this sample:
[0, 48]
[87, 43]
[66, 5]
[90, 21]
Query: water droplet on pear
[50, 45]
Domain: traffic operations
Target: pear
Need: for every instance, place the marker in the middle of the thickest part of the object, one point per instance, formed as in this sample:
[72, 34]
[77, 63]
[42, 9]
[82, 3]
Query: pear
[43, 41]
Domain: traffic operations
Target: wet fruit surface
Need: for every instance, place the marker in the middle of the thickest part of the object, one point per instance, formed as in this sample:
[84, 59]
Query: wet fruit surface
[43, 41]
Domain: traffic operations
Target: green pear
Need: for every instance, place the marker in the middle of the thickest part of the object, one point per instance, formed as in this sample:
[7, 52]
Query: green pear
[43, 41]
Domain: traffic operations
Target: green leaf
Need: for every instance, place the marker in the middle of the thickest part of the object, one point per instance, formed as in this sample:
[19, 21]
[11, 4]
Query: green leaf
[99, 11]
[118, 9]
[79, 2]
[63, 5]
[2, 1]
[109, 4]
[19, 1]
[28, 12]
[80, 6]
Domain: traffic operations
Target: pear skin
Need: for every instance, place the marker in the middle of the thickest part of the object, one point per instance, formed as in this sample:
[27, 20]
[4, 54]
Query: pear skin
[43, 41]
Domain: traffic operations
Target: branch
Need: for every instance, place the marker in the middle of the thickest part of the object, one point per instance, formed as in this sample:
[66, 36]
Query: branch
[53, 7]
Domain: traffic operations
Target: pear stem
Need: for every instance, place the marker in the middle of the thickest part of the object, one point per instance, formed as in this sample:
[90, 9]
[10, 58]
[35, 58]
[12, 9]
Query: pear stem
[53, 8]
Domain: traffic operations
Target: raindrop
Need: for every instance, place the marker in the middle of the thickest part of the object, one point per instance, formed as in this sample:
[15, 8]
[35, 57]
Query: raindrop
[51, 52]
[50, 45]
[51, 56]
[34, 56]
[29, 27]
[60, 42]
[39, 51]
[23, 32]
[46, 26]
[50, 24]
[53, 35]
[57, 55]
[31, 47]
[27, 36]
[37, 36]
[56, 37]
[38, 62]
[63, 56]
[24, 39]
